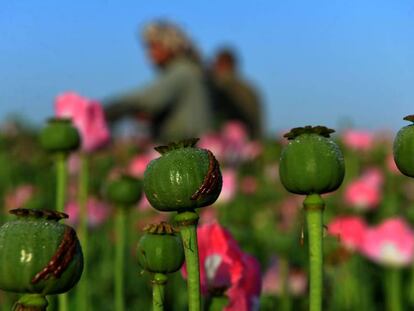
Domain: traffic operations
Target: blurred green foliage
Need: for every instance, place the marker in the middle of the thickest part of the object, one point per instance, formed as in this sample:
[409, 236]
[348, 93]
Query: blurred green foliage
[255, 218]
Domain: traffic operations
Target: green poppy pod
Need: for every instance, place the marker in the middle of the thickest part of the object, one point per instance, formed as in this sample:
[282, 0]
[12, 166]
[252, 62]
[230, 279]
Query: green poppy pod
[404, 148]
[39, 255]
[124, 191]
[160, 250]
[183, 178]
[60, 135]
[311, 163]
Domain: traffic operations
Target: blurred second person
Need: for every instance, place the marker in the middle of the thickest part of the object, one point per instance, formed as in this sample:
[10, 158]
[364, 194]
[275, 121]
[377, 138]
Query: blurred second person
[234, 97]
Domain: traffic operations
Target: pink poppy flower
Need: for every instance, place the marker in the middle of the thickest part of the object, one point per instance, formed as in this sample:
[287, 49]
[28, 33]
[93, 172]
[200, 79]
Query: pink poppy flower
[350, 230]
[248, 185]
[229, 187]
[18, 197]
[298, 282]
[236, 146]
[362, 194]
[252, 150]
[358, 140]
[138, 164]
[208, 216]
[144, 204]
[231, 145]
[220, 265]
[74, 163]
[225, 268]
[373, 176]
[246, 294]
[391, 243]
[288, 211]
[392, 167]
[98, 212]
[214, 143]
[87, 115]
[271, 280]
[272, 283]
[235, 132]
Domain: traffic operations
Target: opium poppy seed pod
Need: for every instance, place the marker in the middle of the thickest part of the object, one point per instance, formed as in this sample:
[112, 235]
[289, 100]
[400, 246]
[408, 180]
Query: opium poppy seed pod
[404, 148]
[183, 178]
[124, 191]
[59, 135]
[160, 249]
[311, 163]
[38, 255]
[59, 138]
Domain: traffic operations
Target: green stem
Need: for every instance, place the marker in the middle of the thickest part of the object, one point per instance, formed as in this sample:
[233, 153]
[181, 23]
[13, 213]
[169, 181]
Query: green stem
[314, 205]
[217, 303]
[119, 259]
[411, 286]
[61, 181]
[83, 185]
[352, 164]
[31, 302]
[363, 290]
[187, 222]
[284, 274]
[393, 289]
[390, 201]
[61, 185]
[158, 291]
[63, 302]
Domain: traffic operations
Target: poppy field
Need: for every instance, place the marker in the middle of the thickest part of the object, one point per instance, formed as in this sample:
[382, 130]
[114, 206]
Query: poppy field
[250, 217]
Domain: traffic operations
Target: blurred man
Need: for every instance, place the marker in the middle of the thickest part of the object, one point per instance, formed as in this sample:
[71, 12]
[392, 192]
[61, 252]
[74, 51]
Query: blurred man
[234, 98]
[178, 102]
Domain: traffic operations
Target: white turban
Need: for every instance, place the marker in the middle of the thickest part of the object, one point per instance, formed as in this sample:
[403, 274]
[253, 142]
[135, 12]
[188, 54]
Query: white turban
[168, 35]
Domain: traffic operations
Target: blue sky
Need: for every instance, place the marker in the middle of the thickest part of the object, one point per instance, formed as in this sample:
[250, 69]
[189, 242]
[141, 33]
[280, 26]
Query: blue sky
[315, 62]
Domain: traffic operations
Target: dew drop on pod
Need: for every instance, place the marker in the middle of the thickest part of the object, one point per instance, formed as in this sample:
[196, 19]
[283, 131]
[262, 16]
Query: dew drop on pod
[59, 135]
[183, 178]
[311, 163]
[404, 148]
[38, 257]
